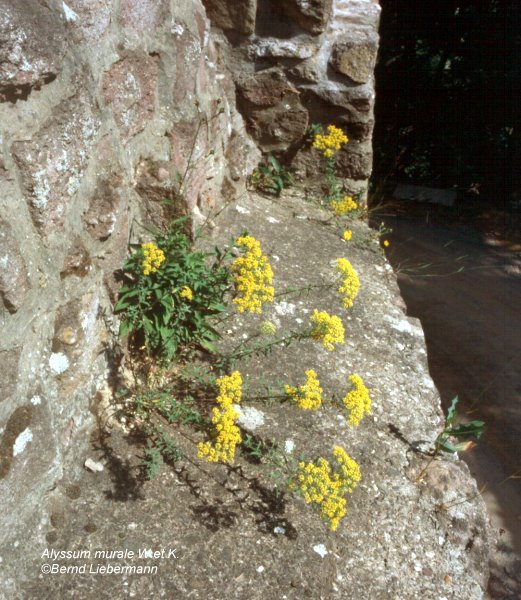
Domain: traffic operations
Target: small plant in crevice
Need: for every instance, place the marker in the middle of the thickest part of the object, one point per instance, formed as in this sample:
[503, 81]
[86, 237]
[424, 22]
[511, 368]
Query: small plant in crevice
[329, 144]
[172, 294]
[452, 430]
[272, 177]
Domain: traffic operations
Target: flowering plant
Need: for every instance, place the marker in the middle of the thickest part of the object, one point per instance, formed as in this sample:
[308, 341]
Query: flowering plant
[171, 294]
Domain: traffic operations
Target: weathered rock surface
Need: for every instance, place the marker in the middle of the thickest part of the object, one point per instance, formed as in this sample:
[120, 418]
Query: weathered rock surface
[354, 55]
[312, 15]
[272, 109]
[306, 62]
[234, 532]
[238, 15]
[102, 105]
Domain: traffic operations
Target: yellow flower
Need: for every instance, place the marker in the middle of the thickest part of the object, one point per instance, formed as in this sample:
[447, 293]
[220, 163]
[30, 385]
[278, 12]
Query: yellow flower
[226, 435]
[153, 258]
[252, 275]
[328, 329]
[350, 283]
[187, 293]
[332, 142]
[386, 243]
[357, 401]
[341, 207]
[318, 485]
[309, 395]
[348, 234]
[350, 474]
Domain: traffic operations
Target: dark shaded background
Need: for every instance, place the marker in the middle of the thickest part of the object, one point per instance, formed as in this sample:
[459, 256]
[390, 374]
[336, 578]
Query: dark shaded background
[448, 109]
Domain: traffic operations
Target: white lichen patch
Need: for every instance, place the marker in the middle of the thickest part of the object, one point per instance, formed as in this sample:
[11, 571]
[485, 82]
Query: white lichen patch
[404, 326]
[21, 441]
[88, 319]
[58, 363]
[69, 14]
[284, 308]
[250, 418]
[35, 400]
[320, 549]
[289, 446]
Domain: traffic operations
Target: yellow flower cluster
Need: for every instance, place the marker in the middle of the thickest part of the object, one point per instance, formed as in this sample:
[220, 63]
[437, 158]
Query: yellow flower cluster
[226, 433]
[153, 258]
[252, 275]
[330, 143]
[350, 473]
[320, 486]
[341, 207]
[350, 282]
[348, 234]
[309, 395]
[357, 401]
[187, 293]
[328, 329]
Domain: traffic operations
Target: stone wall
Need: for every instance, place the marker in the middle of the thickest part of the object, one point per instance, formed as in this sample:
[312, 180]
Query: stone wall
[101, 104]
[298, 62]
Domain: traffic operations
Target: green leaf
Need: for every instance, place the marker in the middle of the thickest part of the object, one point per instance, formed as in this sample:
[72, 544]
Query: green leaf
[451, 413]
[208, 346]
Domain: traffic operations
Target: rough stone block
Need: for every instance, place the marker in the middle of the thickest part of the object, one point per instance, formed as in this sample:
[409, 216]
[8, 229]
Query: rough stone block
[88, 20]
[311, 15]
[356, 163]
[32, 48]
[14, 283]
[9, 360]
[129, 89]
[237, 15]
[272, 109]
[53, 163]
[354, 55]
[143, 15]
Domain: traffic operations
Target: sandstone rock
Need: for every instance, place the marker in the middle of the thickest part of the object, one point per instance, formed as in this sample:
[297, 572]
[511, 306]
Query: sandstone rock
[157, 184]
[32, 48]
[276, 48]
[106, 204]
[271, 106]
[311, 15]
[354, 55]
[53, 163]
[357, 163]
[237, 15]
[129, 89]
[9, 360]
[101, 217]
[14, 282]
[77, 260]
[349, 13]
[143, 15]
[18, 422]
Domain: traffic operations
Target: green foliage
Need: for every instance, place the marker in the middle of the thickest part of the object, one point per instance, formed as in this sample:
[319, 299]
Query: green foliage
[464, 431]
[156, 308]
[273, 177]
[183, 412]
[163, 448]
